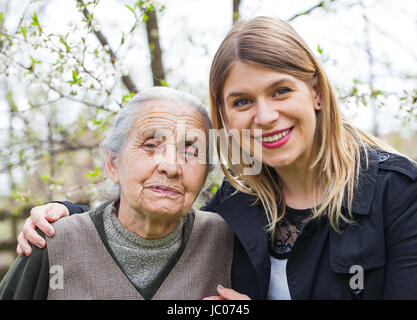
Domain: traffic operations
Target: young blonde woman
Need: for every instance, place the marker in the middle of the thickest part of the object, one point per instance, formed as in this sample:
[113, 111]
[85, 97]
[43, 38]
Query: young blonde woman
[333, 213]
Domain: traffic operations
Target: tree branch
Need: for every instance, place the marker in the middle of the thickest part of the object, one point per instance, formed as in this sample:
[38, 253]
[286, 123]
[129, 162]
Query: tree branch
[321, 4]
[127, 81]
[67, 148]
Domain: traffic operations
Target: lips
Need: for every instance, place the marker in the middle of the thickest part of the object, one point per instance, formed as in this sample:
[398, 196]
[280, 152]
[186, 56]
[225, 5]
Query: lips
[276, 138]
[165, 190]
[272, 133]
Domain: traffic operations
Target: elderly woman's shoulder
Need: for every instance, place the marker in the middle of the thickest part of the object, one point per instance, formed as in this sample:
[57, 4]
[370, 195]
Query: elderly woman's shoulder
[73, 222]
[209, 219]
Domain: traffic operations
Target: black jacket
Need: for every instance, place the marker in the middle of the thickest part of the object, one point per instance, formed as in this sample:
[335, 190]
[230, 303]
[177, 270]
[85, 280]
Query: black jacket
[383, 240]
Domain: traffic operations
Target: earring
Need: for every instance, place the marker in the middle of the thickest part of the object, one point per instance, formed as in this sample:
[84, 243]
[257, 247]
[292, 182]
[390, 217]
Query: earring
[319, 104]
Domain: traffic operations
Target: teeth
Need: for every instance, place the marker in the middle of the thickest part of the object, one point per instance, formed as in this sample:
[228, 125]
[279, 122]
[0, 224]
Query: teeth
[275, 137]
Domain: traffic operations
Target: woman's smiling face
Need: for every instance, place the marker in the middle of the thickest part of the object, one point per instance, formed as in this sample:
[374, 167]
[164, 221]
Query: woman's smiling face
[280, 105]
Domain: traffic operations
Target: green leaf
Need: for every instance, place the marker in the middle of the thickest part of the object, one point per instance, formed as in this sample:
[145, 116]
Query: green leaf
[138, 4]
[93, 174]
[213, 189]
[1, 17]
[64, 42]
[145, 17]
[17, 196]
[34, 61]
[150, 8]
[75, 78]
[35, 22]
[23, 31]
[163, 83]
[127, 97]
[46, 178]
[319, 49]
[11, 102]
[130, 8]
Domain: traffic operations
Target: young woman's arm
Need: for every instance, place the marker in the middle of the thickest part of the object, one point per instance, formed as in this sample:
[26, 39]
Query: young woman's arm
[41, 217]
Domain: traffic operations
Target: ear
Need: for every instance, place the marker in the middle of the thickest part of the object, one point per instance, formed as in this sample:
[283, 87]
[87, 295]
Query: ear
[317, 103]
[316, 95]
[112, 168]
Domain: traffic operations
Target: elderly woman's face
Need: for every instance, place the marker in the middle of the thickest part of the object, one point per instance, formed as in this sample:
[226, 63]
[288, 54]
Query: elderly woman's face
[160, 176]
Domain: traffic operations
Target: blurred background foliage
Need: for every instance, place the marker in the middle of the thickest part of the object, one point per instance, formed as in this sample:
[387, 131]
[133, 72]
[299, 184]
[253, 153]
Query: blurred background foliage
[66, 67]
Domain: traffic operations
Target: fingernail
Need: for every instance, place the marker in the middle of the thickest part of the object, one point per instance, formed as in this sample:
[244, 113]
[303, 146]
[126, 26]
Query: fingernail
[219, 286]
[40, 243]
[26, 251]
[49, 232]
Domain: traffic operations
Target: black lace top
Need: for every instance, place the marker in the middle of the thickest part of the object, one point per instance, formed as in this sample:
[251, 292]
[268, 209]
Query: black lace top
[287, 231]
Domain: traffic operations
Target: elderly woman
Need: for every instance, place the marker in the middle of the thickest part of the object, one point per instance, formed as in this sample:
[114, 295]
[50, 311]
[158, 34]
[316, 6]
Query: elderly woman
[147, 242]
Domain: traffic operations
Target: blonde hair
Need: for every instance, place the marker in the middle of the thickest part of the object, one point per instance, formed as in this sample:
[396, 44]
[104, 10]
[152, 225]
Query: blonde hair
[338, 146]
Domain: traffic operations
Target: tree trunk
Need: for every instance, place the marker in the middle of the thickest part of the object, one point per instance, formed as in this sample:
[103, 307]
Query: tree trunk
[155, 52]
[236, 11]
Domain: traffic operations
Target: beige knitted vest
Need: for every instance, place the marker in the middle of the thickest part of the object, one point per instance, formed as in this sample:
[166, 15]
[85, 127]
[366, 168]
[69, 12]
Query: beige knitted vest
[89, 271]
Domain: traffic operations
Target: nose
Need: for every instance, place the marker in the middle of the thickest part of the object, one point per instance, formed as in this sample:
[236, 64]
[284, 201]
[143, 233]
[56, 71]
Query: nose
[265, 114]
[168, 164]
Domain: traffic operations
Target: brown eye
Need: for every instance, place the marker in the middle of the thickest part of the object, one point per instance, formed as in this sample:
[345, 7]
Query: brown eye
[241, 102]
[281, 91]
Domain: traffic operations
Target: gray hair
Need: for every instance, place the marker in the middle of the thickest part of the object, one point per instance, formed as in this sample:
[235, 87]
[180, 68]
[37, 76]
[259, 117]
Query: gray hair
[122, 124]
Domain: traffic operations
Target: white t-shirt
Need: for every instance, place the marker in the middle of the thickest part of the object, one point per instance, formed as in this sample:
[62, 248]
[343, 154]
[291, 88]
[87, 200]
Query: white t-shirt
[278, 284]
